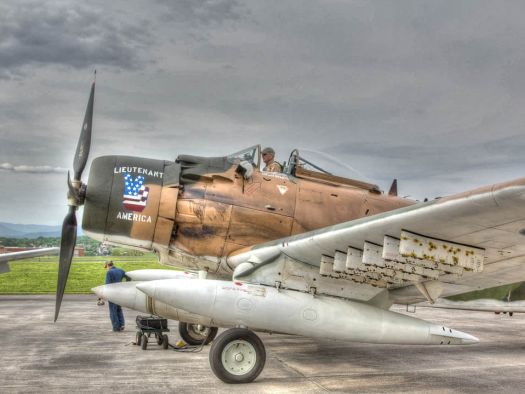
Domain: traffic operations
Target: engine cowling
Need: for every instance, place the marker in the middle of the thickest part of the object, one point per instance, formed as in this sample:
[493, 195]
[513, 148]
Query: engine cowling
[131, 201]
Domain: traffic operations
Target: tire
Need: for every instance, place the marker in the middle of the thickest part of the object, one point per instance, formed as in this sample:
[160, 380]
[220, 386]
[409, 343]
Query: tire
[144, 342]
[165, 342]
[191, 334]
[138, 338]
[159, 338]
[237, 356]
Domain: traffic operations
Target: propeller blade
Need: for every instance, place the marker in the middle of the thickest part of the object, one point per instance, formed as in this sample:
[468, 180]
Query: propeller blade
[84, 141]
[75, 198]
[67, 248]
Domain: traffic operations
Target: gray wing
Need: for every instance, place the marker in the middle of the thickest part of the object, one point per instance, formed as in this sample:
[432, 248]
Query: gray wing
[6, 257]
[447, 246]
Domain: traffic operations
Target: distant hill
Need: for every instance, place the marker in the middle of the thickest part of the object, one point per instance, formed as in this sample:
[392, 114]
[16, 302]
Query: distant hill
[12, 230]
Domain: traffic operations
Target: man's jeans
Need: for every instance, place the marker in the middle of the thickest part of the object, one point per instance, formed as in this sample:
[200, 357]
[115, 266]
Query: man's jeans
[116, 316]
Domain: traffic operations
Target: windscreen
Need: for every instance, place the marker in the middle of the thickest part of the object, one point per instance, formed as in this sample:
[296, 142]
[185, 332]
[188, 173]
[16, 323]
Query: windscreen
[250, 155]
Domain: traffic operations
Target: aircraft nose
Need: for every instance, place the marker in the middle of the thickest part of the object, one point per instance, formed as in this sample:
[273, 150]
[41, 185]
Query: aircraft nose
[99, 291]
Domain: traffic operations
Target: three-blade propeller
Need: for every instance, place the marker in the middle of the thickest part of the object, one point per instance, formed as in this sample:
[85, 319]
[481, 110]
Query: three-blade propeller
[76, 196]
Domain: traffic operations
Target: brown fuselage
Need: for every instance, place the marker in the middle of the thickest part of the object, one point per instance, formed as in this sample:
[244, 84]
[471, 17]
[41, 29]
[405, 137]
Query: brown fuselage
[219, 216]
[197, 211]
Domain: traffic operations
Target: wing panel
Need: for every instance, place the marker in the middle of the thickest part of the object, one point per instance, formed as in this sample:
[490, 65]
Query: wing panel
[489, 218]
[5, 257]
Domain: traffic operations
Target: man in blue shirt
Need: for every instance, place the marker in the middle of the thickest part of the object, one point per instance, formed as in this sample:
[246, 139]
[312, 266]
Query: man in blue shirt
[115, 275]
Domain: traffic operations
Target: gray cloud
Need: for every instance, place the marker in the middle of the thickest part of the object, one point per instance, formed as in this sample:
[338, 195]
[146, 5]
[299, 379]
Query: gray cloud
[31, 169]
[66, 34]
[429, 92]
[426, 159]
[203, 12]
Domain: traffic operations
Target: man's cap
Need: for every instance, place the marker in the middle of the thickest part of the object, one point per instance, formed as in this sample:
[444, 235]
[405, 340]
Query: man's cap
[268, 150]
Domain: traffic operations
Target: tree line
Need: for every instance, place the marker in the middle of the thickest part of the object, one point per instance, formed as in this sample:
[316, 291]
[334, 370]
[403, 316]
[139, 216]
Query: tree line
[90, 245]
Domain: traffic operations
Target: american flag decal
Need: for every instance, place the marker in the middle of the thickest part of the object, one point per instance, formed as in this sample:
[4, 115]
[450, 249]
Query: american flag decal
[135, 193]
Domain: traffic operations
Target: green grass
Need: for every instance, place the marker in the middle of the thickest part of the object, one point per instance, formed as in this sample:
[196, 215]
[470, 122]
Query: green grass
[39, 275]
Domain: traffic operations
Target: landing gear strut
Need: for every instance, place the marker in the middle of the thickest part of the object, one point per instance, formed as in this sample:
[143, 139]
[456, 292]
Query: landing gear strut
[194, 334]
[237, 356]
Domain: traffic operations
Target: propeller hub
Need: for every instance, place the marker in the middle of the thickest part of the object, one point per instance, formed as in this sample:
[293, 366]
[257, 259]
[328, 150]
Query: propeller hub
[76, 194]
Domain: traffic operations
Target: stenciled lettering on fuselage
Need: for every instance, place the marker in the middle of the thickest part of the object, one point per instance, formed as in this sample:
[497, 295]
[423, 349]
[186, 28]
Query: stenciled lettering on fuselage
[134, 217]
[135, 196]
[137, 170]
[272, 174]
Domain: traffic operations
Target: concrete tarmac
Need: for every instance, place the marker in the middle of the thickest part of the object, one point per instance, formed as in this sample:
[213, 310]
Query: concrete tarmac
[80, 353]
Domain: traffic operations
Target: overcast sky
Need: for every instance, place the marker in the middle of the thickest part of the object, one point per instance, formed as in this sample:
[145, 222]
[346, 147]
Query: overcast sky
[429, 92]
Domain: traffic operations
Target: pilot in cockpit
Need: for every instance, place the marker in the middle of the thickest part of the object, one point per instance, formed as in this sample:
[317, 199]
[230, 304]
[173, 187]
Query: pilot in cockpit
[271, 165]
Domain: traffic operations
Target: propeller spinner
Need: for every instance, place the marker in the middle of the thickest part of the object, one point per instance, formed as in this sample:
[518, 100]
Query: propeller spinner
[75, 196]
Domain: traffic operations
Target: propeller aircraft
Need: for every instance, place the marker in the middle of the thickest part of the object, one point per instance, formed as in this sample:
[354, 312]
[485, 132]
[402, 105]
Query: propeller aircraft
[300, 252]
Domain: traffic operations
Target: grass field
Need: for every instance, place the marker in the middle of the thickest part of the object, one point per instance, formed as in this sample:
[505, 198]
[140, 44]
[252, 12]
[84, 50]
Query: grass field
[39, 275]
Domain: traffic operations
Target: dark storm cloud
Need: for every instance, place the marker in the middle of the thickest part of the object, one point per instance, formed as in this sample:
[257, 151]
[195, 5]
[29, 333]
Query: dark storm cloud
[66, 34]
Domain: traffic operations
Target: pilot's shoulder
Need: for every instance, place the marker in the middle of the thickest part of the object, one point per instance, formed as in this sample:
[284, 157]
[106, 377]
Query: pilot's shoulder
[275, 167]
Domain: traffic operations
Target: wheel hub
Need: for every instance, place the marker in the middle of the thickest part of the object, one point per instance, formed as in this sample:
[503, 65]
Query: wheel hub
[239, 357]
[198, 331]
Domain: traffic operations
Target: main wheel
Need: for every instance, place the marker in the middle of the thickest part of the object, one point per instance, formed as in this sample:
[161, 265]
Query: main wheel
[237, 356]
[144, 342]
[194, 334]
[165, 342]
[159, 338]
[138, 338]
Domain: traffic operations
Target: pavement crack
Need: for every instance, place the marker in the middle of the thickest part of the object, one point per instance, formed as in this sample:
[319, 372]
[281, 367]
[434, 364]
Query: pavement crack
[308, 378]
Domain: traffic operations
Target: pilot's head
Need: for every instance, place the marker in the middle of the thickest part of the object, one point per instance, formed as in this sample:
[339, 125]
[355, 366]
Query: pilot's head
[108, 264]
[267, 155]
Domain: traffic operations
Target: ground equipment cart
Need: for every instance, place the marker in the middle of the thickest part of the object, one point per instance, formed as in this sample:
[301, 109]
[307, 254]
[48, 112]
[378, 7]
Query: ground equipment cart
[147, 325]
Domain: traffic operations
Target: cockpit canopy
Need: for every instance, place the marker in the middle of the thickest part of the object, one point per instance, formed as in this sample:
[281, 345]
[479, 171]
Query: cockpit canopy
[253, 156]
[296, 166]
